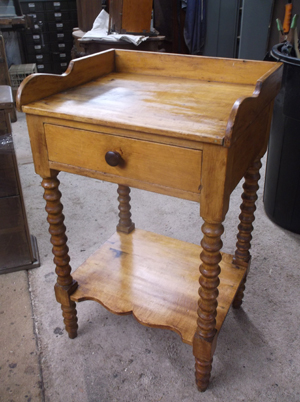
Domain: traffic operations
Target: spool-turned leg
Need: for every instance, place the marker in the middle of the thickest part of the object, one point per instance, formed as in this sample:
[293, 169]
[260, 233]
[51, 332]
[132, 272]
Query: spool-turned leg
[244, 237]
[205, 338]
[65, 285]
[125, 223]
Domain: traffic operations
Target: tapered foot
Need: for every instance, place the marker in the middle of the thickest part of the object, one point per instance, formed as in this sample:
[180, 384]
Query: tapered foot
[202, 372]
[70, 319]
[238, 300]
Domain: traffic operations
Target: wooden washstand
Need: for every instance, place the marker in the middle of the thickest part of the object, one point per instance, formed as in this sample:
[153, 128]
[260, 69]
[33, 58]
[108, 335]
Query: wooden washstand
[187, 126]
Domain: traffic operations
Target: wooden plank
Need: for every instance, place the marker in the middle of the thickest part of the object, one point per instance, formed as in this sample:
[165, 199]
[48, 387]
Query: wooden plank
[136, 16]
[155, 278]
[211, 69]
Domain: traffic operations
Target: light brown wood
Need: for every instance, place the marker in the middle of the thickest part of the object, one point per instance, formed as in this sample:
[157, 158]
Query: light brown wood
[184, 93]
[145, 161]
[185, 126]
[131, 16]
[85, 69]
[185, 107]
[136, 16]
[244, 72]
[155, 278]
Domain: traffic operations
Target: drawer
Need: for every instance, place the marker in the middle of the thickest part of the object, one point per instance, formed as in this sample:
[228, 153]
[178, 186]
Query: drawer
[60, 26]
[32, 7]
[61, 46]
[59, 68]
[56, 5]
[57, 16]
[44, 68]
[37, 17]
[143, 161]
[38, 58]
[58, 57]
[37, 49]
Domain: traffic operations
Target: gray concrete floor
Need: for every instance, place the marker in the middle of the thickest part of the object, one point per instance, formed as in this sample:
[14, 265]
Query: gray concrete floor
[116, 359]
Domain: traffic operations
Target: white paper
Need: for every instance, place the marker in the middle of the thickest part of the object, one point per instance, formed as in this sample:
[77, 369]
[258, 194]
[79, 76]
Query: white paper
[100, 31]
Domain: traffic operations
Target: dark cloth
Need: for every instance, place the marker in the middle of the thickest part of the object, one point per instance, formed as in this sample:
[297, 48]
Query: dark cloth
[195, 26]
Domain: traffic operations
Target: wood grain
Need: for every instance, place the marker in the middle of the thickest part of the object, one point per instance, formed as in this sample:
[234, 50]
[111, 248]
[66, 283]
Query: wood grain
[146, 161]
[199, 98]
[185, 126]
[188, 109]
[211, 69]
[155, 278]
[39, 86]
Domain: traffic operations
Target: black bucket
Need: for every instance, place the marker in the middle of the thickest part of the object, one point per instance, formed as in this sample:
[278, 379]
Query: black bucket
[282, 181]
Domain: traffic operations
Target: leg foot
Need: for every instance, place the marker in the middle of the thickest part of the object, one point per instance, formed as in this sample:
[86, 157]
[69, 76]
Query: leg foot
[238, 300]
[202, 371]
[70, 319]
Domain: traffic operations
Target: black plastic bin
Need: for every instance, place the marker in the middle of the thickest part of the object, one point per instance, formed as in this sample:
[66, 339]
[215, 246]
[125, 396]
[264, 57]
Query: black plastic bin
[282, 181]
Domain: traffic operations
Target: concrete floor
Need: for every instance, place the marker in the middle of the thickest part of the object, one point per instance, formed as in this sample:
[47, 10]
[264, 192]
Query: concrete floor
[116, 359]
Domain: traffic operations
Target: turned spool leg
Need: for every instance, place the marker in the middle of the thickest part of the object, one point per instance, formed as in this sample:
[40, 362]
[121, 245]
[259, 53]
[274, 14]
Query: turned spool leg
[65, 285]
[125, 223]
[205, 338]
[244, 237]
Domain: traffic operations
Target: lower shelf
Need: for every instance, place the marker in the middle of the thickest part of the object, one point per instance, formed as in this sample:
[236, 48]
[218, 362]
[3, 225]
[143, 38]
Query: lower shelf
[155, 278]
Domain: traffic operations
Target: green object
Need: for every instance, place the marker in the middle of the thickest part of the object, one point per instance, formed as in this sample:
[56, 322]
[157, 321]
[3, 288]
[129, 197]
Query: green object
[279, 25]
[294, 21]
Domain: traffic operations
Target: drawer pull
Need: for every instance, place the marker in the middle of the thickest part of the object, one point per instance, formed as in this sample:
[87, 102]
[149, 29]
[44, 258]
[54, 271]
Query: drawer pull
[113, 158]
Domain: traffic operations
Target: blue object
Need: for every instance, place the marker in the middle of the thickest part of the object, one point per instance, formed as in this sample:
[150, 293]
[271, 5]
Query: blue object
[195, 26]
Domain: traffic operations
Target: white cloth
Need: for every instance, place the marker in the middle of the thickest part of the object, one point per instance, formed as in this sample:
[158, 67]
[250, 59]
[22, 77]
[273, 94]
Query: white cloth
[100, 31]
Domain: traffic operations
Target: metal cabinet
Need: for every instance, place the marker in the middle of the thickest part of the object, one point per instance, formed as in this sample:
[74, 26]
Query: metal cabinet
[238, 28]
[49, 42]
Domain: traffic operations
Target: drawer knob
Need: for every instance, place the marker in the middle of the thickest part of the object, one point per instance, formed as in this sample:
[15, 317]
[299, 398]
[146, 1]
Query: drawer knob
[113, 158]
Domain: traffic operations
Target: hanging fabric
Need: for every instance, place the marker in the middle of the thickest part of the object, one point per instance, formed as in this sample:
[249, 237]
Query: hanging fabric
[195, 26]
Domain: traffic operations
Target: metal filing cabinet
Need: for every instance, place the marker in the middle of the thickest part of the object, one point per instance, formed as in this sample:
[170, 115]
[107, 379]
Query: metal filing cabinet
[49, 42]
[238, 28]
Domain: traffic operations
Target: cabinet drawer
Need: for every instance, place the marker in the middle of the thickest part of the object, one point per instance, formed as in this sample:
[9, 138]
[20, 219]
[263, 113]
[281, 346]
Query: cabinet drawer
[144, 161]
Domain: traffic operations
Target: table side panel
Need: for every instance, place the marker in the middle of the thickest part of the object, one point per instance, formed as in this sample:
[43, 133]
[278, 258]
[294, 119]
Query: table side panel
[191, 67]
[149, 162]
[251, 144]
[85, 69]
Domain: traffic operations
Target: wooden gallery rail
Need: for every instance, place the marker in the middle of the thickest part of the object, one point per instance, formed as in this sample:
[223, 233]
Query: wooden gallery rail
[190, 127]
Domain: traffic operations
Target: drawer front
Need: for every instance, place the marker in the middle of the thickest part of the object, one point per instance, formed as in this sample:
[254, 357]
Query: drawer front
[159, 164]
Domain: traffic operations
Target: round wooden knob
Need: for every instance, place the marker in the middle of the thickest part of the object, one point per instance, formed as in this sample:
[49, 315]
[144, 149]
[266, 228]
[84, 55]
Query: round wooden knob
[113, 158]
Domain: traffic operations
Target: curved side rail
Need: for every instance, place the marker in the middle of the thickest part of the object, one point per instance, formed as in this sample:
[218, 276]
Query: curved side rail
[80, 71]
[246, 109]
